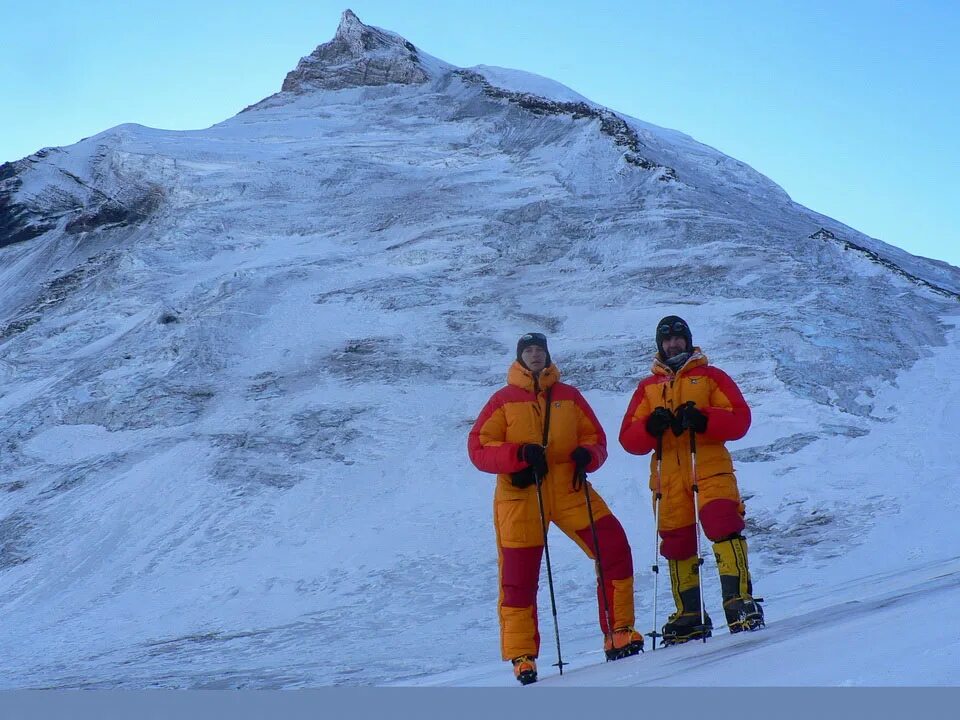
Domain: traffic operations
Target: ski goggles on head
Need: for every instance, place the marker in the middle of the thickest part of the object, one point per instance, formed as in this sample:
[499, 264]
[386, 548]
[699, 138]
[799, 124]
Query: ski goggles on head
[678, 327]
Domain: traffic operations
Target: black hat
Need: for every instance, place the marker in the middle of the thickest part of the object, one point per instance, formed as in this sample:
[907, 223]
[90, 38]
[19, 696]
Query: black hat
[673, 326]
[529, 339]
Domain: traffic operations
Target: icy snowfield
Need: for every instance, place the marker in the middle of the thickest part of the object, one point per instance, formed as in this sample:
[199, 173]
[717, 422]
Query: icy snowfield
[238, 366]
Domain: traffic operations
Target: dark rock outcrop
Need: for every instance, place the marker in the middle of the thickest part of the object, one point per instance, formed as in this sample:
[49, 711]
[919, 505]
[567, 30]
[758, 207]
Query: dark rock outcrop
[358, 55]
[17, 222]
[114, 214]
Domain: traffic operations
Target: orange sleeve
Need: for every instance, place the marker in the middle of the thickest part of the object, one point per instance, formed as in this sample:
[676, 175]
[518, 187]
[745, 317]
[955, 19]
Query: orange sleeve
[728, 417]
[590, 434]
[486, 443]
[633, 430]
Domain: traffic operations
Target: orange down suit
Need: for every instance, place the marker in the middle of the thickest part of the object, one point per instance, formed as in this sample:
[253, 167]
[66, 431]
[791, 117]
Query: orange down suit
[513, 417]
[728, 418]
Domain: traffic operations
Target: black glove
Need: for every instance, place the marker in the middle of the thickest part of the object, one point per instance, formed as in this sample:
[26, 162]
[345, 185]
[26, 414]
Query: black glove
[659, 420]
[688, 417]
[581, 458]
[522, 479]
[534, 456]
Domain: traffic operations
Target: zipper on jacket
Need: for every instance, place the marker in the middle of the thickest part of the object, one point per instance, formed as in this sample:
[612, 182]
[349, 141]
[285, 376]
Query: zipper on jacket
[536, 398]
[536, 406]
[672, 380]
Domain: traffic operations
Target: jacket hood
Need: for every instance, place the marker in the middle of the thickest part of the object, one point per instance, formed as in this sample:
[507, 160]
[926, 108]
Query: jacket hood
[697, 359]
[520, 377]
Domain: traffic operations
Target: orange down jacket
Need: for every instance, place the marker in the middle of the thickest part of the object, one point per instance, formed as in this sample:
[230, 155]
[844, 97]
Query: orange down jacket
[514, 417]
[728, 418]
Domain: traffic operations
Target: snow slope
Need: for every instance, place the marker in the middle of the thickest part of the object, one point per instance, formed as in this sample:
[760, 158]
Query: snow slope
[238, 366]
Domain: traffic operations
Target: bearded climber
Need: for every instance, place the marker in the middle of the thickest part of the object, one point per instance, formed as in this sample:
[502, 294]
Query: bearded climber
[683, 393]
[540, 430]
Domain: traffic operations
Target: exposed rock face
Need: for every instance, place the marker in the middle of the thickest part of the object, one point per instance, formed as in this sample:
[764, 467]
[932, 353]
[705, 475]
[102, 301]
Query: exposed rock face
[113, 213]
[101, 196]
[17, 222]
[358, 55]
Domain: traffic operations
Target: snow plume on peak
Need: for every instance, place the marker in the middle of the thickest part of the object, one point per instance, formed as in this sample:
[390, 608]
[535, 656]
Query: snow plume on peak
[360, 55]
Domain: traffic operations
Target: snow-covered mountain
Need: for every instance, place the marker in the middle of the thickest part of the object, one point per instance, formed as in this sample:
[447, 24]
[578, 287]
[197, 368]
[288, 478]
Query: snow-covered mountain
[238, 365]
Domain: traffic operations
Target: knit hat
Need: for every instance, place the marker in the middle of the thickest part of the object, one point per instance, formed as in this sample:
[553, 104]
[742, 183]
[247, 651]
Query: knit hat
[673, 326]
[529, 339]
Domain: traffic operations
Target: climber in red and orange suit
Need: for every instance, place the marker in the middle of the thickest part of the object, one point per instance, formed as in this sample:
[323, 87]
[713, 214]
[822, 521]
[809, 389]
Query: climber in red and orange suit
[684, 392]
[507, 439]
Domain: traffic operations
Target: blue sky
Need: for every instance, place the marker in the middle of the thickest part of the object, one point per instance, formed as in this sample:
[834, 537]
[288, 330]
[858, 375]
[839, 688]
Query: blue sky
[852, 106]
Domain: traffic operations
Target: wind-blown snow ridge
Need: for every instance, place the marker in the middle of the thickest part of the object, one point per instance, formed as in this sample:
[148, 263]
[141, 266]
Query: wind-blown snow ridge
[824, 234]
[519, 81]
[610, 123]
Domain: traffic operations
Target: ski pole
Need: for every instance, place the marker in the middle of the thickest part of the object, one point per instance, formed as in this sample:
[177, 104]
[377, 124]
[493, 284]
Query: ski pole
[696, 516]
[546, 551]
[581, 477]
[656, 541]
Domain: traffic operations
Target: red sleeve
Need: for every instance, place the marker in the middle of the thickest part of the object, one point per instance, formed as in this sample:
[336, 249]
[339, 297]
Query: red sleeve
[633, 430]
[728, 417]
[590, 434]
[486, 445]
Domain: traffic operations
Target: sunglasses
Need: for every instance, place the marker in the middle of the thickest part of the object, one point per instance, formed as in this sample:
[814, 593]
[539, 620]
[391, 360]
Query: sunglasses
[677, 328]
